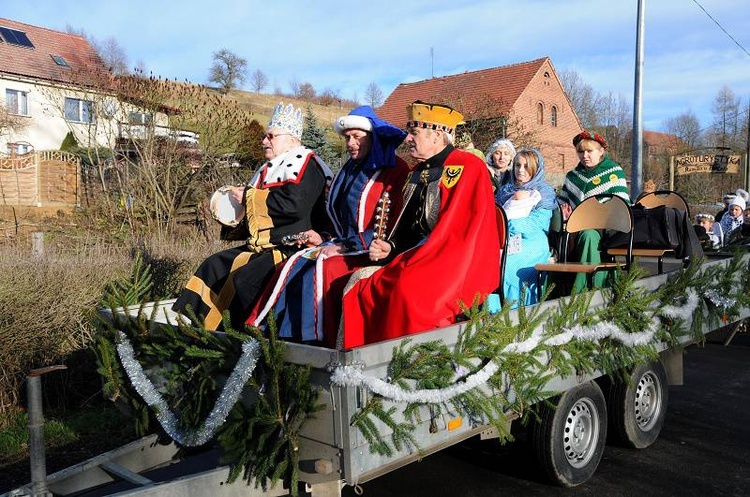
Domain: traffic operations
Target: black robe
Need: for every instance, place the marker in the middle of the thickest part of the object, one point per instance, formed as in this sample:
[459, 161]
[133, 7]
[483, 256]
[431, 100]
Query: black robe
[234, 278]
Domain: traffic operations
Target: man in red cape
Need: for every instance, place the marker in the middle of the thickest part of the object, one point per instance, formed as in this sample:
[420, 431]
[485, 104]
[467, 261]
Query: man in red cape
[444, 250]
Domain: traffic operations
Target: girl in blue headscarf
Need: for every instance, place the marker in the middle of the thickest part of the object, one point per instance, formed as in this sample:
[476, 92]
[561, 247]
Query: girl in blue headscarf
[528, 202]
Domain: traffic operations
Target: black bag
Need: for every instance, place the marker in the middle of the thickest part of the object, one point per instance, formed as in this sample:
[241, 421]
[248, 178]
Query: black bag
[660, 227]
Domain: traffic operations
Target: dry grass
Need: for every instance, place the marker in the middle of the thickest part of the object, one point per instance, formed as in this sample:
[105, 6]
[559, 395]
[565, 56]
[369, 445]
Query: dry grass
[262, 106]
[47, 302]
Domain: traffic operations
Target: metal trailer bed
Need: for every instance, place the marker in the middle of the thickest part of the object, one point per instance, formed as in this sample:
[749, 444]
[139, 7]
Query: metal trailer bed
[332, 452]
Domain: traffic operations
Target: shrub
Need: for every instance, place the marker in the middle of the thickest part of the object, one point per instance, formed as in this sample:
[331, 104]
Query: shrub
[48, 302]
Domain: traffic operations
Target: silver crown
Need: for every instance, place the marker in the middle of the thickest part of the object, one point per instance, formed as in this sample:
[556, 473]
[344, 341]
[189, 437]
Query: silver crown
[287, 118]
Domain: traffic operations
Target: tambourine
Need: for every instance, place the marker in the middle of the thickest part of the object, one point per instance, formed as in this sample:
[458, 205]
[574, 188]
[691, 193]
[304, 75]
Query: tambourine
[225, 209]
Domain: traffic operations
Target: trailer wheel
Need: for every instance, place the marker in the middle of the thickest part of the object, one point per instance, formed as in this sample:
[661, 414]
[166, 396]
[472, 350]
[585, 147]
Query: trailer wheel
[638, 405]
[568, 440]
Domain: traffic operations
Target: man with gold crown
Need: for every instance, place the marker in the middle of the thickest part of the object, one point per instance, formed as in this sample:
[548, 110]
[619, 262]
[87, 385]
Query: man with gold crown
[443, 250]
[285, 197]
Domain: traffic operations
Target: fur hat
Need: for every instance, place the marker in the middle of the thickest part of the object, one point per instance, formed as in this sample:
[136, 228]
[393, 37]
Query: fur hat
[589, 135]
[287, 118]
[739, 201]
[350, 121]
[433, 116]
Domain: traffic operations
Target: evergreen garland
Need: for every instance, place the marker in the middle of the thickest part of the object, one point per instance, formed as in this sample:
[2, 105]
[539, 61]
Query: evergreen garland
[260, 439]
[523, 372]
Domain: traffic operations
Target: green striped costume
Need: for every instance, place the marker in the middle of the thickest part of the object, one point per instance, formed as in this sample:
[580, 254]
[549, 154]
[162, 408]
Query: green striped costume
[582, 182]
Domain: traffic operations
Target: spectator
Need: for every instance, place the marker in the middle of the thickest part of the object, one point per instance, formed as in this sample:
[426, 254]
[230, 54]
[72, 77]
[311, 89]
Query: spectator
[443, 250]
[648, 187]
[727, 199]
[464, 141]
[284, 198]
[706, 233]
[499, 159]
[595, 174]
[528, 202]
[731, 221]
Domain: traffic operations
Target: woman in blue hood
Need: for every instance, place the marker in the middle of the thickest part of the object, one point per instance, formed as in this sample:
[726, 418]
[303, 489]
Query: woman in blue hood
[528, 202]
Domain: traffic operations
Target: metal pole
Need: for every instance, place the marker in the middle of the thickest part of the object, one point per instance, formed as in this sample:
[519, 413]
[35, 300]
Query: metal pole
[636, 180]
[671, 172]
[36, 431]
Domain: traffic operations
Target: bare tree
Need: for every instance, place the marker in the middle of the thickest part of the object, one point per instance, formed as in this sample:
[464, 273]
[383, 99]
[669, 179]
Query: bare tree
[614, 119]
[726, 127]
[109, 50]
[306, 91]
[258, 81]
[10, 123]
[330, 97]
[294, 86]
[140, 68]
[374, 95]
[156, 159]
[582, 96]
[686, 126]
[229, 70]
[112, 54]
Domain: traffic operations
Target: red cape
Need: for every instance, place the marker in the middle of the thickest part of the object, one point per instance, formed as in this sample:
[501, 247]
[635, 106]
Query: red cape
[421, 288]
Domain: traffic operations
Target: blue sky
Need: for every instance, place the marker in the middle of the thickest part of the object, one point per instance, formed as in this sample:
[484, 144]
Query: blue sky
[346, 45]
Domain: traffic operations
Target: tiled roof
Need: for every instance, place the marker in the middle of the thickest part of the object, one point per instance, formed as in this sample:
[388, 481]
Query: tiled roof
[655, 138]
[503, 85]
[37, 62]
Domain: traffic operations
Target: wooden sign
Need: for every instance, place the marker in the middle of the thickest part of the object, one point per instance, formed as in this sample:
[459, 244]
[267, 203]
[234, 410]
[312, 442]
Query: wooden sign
[708, 163]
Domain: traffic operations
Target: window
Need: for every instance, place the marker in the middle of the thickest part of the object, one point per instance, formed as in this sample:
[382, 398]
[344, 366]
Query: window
[17, 102]
[20, 148]
[79, 110]
[140, 118]
[539, 113]
[60, 61]
[15, 37]
[553, 116]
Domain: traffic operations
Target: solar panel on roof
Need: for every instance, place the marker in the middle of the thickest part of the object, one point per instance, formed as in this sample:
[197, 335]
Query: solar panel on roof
[60, 61]
[15, 37]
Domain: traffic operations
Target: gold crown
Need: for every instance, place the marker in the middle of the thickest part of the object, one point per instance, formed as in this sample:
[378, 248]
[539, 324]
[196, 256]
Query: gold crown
[433, 116]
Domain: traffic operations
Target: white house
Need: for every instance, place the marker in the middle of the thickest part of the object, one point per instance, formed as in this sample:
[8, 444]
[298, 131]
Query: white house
[54, 83]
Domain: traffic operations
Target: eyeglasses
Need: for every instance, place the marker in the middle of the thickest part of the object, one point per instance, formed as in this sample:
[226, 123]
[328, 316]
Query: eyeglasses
[271, 136]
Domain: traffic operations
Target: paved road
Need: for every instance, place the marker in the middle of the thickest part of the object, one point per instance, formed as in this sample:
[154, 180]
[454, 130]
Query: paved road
[703, 449]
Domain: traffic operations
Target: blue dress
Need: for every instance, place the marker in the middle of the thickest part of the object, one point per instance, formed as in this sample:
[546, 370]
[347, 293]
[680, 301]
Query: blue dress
[519, 275]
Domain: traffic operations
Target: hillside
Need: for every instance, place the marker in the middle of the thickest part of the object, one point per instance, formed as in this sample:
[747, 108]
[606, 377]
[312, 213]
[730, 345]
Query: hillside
[261, 106]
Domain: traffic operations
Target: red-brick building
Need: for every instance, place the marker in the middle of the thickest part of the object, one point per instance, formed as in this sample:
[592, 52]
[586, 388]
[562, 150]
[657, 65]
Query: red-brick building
[526, 101]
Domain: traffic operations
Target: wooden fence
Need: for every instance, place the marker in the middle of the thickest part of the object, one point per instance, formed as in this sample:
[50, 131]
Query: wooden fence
[47, 177]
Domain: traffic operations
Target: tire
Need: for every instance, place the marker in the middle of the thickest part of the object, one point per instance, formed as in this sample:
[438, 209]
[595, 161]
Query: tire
[638, 405]
[568, 440]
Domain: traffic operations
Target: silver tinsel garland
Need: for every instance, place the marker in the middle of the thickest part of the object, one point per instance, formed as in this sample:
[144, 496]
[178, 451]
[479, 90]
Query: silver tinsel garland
[351, 375]
[227, 398]
[719, 300]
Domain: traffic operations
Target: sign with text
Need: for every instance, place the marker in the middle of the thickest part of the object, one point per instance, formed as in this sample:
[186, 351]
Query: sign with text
[707, 163]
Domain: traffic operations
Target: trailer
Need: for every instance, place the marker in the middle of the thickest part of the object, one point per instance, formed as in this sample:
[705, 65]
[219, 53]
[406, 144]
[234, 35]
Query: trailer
[567, 432]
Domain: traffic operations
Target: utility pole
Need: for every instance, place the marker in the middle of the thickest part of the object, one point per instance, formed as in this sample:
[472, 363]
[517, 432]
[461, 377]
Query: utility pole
[636, 178]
